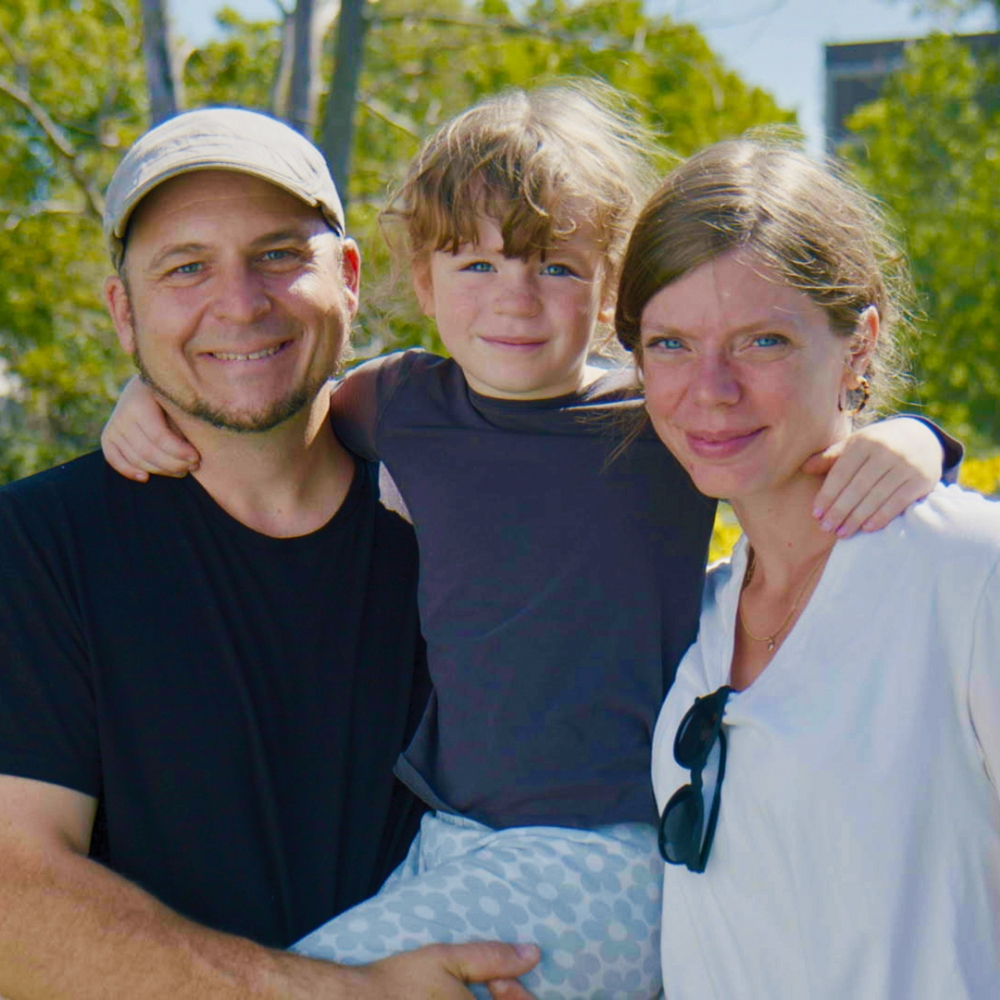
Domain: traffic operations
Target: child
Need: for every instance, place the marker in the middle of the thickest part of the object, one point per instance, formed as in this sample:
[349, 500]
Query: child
[558, 590]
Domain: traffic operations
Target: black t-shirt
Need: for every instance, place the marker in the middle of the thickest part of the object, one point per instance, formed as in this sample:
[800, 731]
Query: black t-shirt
[234, 701]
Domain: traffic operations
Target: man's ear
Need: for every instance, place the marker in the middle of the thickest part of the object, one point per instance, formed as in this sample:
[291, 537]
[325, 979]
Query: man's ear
[423, 285]
[120, 307]
[350, 271]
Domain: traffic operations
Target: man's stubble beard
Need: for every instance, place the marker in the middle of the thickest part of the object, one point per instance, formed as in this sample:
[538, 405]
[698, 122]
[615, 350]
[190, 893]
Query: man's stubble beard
[253, 423]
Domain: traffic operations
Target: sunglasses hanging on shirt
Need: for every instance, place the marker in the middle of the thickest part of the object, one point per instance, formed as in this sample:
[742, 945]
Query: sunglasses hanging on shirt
[685, 839]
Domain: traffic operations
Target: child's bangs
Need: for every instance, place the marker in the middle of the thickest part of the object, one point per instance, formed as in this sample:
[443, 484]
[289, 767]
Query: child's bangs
[517, 208]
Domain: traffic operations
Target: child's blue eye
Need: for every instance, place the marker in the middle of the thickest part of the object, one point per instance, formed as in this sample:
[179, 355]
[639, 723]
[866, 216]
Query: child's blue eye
[558, 270]
[479, 267]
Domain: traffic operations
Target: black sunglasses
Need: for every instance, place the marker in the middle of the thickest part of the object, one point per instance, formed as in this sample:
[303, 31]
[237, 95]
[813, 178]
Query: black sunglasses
[683, 821]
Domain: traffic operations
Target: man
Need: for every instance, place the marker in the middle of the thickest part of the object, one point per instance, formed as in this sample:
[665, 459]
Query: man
[204, 683]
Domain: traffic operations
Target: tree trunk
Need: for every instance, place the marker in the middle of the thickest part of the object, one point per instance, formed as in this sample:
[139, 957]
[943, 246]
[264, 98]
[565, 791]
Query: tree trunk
[301, 108]
[338, 119]
[157, 52]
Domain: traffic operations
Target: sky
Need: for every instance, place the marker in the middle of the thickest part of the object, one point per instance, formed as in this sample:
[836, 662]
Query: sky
[774, 44]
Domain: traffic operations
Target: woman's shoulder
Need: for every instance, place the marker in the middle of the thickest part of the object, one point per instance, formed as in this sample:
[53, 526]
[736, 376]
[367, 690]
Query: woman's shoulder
[948, 542]
[954, 517]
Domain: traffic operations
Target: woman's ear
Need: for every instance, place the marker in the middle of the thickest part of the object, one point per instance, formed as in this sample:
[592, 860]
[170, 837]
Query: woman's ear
[864, 341]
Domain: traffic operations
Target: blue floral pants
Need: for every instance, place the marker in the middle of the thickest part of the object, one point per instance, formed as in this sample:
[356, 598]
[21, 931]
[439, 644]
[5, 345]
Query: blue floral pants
[589, 898]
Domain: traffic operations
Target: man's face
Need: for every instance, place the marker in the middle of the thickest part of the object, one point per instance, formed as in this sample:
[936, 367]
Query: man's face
[236, 300]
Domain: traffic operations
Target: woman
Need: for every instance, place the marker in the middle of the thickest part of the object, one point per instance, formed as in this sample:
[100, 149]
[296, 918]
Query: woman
[827, 802]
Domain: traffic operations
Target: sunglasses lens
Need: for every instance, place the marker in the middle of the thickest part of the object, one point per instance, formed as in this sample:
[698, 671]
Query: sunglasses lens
[680, 827]
[697, 733]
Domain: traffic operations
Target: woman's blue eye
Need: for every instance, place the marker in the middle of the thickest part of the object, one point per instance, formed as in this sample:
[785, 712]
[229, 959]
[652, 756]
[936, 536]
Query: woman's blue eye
[665, 344]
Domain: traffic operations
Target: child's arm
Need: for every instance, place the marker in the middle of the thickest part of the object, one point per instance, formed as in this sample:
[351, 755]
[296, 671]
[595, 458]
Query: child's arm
[138, 439]
[874, 475]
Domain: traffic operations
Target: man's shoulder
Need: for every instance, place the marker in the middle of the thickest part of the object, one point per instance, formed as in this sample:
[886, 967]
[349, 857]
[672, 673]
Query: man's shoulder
[80, 485]
[67, 477]
[82, 499]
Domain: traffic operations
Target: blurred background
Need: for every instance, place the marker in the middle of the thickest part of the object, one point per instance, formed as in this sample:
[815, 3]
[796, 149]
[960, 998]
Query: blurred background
[908, 92]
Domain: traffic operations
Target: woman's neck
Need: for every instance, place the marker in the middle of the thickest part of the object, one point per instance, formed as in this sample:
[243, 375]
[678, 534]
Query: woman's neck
[789, 551]
[781, 529]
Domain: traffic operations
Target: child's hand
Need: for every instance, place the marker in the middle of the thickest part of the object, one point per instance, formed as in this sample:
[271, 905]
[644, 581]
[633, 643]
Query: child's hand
[137, 440]
[875, 474]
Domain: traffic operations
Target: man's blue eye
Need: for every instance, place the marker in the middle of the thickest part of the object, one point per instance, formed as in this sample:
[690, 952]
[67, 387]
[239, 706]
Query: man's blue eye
[275, 255]
[188, 268]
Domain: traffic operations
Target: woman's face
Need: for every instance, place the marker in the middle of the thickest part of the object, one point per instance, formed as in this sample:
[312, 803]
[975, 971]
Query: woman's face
[743, 375]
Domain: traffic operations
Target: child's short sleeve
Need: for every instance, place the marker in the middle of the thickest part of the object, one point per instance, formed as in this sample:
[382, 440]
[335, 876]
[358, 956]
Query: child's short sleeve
[359, 399]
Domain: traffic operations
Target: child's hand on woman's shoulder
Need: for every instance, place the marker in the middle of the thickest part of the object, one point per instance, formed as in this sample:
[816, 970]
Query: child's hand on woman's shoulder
[875, 474]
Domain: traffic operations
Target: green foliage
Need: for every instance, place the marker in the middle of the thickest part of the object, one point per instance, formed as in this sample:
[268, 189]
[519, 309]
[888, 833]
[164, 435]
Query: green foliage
[80, 63]
[236, 69]
[930, 148]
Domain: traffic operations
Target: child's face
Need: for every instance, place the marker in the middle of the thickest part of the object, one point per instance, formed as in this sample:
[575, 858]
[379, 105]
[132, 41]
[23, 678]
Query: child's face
[518, 329]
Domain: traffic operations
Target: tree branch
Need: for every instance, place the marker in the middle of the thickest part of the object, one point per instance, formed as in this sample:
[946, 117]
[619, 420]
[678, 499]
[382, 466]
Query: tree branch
[16, 214]
[382, 110]
[505, 27]
[62, 145]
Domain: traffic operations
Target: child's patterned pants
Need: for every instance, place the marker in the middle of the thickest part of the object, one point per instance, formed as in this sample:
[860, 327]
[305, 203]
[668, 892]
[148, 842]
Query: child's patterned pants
[590, 899]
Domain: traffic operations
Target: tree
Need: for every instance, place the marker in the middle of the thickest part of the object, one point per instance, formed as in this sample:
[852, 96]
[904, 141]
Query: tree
[930, 148]
[338, 120]
[157, 48]
[71, 98]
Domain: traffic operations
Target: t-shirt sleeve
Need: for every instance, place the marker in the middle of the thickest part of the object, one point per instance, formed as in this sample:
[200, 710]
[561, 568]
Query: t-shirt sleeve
[984, 677]
[48, 727]
[359, 399]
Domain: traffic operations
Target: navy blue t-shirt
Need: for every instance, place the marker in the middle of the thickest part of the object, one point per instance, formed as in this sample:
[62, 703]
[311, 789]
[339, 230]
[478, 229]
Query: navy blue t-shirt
[235, 702]
[558, 587]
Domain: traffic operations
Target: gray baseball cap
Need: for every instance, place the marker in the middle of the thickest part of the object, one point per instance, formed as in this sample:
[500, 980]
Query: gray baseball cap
[245, 142]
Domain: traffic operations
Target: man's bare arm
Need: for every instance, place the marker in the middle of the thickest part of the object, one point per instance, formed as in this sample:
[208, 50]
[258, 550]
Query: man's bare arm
[70, 928]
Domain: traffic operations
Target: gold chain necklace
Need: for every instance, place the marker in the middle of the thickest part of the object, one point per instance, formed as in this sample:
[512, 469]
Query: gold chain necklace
[771, 639]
